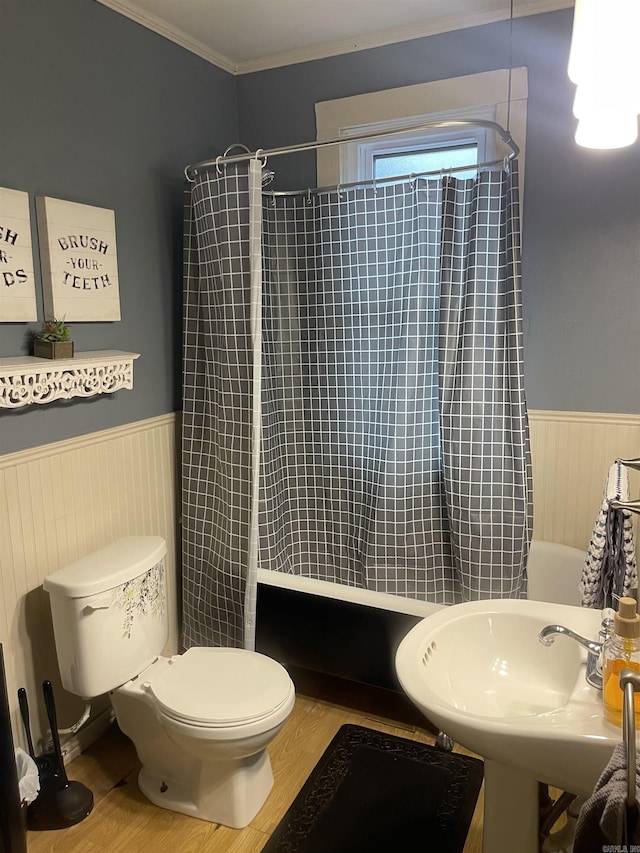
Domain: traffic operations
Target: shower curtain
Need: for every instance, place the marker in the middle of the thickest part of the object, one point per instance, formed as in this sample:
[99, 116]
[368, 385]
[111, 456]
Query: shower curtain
[381, 394]
[220, 409]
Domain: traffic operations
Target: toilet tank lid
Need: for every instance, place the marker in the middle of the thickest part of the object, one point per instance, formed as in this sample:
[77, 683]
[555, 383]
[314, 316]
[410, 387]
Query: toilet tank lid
[107, 568]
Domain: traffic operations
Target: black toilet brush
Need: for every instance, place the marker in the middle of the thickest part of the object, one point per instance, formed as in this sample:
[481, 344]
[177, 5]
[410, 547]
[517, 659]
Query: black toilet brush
[46, 762]
[60, 802]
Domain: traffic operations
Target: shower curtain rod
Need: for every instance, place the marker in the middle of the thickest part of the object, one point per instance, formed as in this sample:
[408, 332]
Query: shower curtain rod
[192, 170]
[395, 179]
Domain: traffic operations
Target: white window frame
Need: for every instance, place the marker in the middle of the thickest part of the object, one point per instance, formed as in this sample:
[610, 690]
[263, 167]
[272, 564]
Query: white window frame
[418, 143]
[499, 96]
[356, 161]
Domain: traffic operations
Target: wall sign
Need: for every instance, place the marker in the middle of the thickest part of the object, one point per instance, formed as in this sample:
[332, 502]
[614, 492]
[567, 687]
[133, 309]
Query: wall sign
[17, 287]
[79, 263]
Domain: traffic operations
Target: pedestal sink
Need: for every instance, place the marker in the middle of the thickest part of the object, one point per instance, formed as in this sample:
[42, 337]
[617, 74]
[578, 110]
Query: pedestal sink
[479, 673]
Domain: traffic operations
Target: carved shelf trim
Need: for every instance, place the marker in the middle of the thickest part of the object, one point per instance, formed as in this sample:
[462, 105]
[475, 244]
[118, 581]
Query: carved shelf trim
[26, 379]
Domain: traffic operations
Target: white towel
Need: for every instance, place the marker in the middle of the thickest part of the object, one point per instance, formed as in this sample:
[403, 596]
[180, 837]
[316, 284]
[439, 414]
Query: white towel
[610, 566]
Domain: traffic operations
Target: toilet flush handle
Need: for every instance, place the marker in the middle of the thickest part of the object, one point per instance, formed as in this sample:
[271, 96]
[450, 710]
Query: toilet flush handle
[90, 608]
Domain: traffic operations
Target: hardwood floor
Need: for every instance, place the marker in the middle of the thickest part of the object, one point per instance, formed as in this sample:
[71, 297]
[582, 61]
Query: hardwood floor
[124, 820]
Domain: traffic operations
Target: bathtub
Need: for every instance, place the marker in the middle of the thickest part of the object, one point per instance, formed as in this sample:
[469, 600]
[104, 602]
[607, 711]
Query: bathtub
[333, 629]
[353, 633]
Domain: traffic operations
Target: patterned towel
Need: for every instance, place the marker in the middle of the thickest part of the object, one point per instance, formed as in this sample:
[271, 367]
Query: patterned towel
[604, 820]
[610, 566]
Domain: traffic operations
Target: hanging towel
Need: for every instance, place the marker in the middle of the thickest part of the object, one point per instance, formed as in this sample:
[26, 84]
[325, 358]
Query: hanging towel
[604, 818]
[610, 566]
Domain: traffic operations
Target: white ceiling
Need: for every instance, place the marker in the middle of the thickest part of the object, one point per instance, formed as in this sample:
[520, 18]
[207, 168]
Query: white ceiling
[250, 35]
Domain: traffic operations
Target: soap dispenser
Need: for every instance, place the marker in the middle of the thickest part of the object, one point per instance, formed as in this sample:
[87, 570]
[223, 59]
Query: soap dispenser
[621, 651]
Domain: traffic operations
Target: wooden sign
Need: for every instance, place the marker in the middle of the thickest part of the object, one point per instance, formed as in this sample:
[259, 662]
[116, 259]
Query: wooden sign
[17, 286]
[79, 262]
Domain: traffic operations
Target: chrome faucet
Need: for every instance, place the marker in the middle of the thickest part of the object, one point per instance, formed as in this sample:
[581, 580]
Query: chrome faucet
[594, 650]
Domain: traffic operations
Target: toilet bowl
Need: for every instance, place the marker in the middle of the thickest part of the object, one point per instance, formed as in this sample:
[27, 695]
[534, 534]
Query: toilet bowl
[201, 721]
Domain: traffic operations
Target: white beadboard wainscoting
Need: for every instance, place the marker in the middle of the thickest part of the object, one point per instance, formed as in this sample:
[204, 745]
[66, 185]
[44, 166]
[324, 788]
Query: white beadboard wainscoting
[61, 501]
[571, 454]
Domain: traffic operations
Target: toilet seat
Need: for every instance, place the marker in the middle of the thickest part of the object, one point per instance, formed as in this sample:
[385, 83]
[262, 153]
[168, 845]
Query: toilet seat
[220, 688]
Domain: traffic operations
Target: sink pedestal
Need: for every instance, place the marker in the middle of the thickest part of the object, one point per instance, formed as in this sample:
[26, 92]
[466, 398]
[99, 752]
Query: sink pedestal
[511, 810]
[479, 672]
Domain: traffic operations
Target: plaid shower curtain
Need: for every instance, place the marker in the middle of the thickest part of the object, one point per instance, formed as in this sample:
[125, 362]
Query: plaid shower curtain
[220, 409]
[394, 451]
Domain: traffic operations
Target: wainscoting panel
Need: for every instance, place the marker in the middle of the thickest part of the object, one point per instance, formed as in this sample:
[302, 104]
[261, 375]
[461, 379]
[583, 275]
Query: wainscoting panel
[59, 502]
[571, 455]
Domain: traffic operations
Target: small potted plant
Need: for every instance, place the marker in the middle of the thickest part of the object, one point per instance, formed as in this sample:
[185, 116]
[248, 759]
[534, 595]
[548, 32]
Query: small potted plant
[52, 341]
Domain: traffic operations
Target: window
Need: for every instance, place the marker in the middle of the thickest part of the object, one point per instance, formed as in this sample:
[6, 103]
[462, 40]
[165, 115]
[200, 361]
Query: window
[430, 158]
[414, 153]
[476, 96]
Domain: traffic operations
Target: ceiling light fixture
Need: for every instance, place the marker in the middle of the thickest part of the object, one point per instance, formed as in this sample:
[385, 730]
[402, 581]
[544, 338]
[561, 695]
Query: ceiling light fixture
[604, 63]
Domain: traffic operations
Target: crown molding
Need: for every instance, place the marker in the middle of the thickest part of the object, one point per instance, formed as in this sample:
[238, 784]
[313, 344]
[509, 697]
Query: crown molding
[324, 51]
[162, 28]
[395, 36]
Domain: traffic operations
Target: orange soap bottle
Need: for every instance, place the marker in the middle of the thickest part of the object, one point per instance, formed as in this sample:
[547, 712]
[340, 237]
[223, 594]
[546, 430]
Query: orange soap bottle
[621, 651]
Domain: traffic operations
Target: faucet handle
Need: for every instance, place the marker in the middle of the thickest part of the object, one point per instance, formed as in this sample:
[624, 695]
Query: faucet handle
[606, 625]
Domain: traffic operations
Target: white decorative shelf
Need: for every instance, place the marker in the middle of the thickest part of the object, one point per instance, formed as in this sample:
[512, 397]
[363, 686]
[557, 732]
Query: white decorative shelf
[26, 379]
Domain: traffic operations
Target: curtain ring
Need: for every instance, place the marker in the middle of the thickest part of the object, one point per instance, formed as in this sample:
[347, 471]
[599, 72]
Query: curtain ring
[260, 151]
[230, 148]
[218, 169]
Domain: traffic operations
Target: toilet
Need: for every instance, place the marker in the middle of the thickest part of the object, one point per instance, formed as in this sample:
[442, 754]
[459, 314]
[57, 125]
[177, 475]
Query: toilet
[200, 721]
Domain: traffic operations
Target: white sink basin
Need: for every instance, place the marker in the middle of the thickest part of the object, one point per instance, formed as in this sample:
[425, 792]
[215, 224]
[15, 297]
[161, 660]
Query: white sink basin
[492, 665]
[479, 673]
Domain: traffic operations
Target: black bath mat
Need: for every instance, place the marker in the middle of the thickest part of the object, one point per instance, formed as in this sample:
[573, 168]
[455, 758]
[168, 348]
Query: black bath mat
[374, 793]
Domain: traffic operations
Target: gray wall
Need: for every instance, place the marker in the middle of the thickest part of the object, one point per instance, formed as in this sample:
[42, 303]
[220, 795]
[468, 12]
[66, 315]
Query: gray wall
[96, 109]
[581, 240]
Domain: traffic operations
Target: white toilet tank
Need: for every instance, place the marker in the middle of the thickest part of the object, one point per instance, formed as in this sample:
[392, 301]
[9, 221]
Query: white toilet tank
[109, 613]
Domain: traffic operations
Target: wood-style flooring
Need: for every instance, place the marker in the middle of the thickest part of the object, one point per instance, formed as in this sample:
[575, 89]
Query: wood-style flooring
[124, 820]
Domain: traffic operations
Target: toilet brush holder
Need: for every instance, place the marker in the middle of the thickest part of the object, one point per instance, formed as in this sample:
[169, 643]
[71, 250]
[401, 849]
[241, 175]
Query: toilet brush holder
[61, 802]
